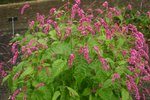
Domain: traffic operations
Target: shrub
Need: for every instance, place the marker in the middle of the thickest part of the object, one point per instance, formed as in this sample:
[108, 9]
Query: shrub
[79, 56]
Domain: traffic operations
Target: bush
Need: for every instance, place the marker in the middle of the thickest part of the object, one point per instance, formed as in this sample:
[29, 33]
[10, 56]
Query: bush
[79, 56]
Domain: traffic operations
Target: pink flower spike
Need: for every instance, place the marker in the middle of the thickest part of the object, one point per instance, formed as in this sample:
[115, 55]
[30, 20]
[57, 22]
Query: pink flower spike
[99, 11]
[105, 4]
[78, 1]
[129, 7]
[31, 24]
[15, 57]
[13, 97]
[96, 49]
[71, 59]
[148, 14]
[24, 8]
[115, 76]
[81, 50]
[52, 11]
[13, 49]
[138, 13]
[86, 54]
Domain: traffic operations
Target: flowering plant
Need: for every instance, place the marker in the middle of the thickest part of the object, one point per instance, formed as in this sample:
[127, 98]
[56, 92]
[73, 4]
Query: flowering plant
[139, 19]
[79, 56]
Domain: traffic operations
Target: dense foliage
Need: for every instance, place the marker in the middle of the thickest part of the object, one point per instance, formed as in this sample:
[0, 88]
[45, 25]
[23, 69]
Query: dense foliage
[79, 56]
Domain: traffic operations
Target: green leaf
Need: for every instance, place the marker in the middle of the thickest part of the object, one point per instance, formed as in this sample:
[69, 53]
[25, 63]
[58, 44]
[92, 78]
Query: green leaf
[90, 97]
[5, 79]
[107, 83]
[42, 41]
[53, 35]
[120, 42]
[72, 92]
[120, 70]
[58, 66]
[106, 94]
[56, 95]
[125, 94]
[28, 71]
[86, 92]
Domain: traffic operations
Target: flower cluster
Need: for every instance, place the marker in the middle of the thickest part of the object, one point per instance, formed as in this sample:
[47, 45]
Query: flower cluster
[3, 73]
[24, 8]
[138, 60]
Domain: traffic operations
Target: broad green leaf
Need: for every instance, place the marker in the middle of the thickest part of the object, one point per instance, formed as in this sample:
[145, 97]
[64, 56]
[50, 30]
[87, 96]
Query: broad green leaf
[72, 92]
[90, 97]
[120, 42]
[56, 95]
[120, 70]
[58, 66]
[107, 83]
[5, 79]
[42, 41]
[28, 71]
[46, 65]
[53, 35]
[125, 94]
[86, 92]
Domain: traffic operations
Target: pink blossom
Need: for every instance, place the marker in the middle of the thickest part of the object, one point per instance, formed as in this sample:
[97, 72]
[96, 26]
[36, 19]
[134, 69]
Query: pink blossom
[52, 10]
[99, 11]
[147, 91]
[117, 13]
[57, 28]
[148, 14]
[13, 49]
[133, 86]
[71, 59]
[29, 52]
[129, 7]
[90, 29]
[124, 29]
[96, 49]
[15, 57]
[108, 33]
[115, 76]
[86, 54]
[13, 97]
[25, 97]
[109, 15]
[59, 14]
[146, 48]
[2, 71]
[97, 26]
[68, 32]
[105, 4]
[124, 52]
[76, 10]
[16, 75]
[49, 21]
[24, 8]
[144, 54]
[81, 50]
[40, 19]
[31, 24]
[138, 13]
[78, 1]
[46, 29]
[93, 90]
[102, 60]
[112, 9]
[144, 96]
[23, 48]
